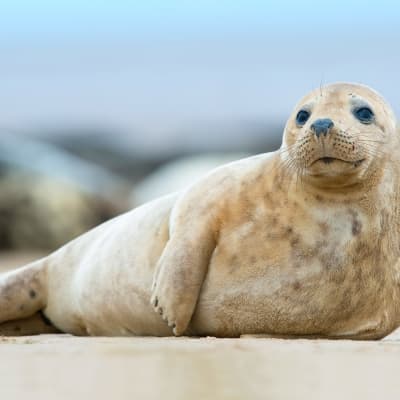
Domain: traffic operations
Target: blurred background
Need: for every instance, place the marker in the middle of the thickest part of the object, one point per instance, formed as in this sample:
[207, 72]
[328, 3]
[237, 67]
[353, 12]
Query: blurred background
[105, 105]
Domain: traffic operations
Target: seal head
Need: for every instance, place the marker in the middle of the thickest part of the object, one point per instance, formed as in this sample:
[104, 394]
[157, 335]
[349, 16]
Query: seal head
[339, 135]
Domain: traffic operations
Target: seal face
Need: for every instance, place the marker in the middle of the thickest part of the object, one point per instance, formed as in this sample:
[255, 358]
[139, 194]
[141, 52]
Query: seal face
[303, 241]
[338, 131]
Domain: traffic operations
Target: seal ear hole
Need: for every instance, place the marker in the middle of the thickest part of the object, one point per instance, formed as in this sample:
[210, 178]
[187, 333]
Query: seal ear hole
[364, 114]
[302, 117]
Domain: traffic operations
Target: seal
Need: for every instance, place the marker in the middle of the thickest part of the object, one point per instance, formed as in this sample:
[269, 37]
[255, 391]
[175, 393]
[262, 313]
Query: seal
[300, 242]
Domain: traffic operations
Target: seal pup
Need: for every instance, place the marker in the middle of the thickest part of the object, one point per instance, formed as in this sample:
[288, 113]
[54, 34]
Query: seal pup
[302, 241]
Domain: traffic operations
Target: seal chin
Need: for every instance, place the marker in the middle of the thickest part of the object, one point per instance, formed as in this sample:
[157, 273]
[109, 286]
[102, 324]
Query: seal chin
[330, 160]
[334, 167]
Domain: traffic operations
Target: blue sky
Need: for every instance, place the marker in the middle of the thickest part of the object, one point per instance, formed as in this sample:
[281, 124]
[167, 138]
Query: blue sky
[31, 19]
[163, 65]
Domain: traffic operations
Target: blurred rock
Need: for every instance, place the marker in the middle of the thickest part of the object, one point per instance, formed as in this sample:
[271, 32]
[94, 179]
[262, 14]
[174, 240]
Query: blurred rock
[178, 174]
[134, 154]
[48, 197]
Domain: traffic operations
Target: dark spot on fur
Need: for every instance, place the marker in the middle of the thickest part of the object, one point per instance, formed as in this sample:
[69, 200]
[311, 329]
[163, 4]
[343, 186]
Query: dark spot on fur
[289, 230]
[338, 277]
[352, 213]
[297, 264]
[318, 197]
[362, 250]
[267, 197]
[234, 259]
[234, 264]
[22, 307]
[321, 244]
[356, 223]
[277, 183]
[324, 227]
[296, 285]
[356, 227]
[32, 294]
[294, 241]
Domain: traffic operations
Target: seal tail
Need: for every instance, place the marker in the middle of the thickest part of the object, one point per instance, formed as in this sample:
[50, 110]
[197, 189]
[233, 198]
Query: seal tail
[23, 291]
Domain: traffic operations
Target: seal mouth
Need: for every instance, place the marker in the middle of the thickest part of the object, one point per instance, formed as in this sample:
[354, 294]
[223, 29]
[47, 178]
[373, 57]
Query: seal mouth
[330, 160]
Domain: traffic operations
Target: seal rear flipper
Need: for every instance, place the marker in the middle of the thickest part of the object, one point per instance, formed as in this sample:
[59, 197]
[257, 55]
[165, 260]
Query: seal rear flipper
[23, 291]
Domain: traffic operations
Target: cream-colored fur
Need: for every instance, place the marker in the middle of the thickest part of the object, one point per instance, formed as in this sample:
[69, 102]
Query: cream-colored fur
[280, 243]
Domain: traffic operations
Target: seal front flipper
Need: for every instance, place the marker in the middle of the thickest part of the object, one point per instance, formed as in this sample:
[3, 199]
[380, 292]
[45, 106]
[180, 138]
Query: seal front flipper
[181, 271]
[183, 265]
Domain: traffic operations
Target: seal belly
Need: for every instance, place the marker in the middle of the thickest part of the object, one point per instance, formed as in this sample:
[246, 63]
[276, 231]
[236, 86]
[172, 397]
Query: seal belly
[309, 302]
[294, 283]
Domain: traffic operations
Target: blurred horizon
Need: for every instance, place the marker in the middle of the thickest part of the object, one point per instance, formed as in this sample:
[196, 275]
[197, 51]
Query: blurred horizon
[160, 67]
[106, 105]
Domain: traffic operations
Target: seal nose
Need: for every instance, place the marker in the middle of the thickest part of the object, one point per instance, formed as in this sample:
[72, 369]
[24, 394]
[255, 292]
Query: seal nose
[322, 126]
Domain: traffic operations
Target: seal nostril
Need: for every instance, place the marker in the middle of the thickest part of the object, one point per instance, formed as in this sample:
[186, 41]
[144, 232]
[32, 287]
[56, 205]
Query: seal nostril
[322, 126]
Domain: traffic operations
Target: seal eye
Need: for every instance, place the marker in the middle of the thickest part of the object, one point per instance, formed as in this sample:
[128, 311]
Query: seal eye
[302, 117]
[364, 115]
